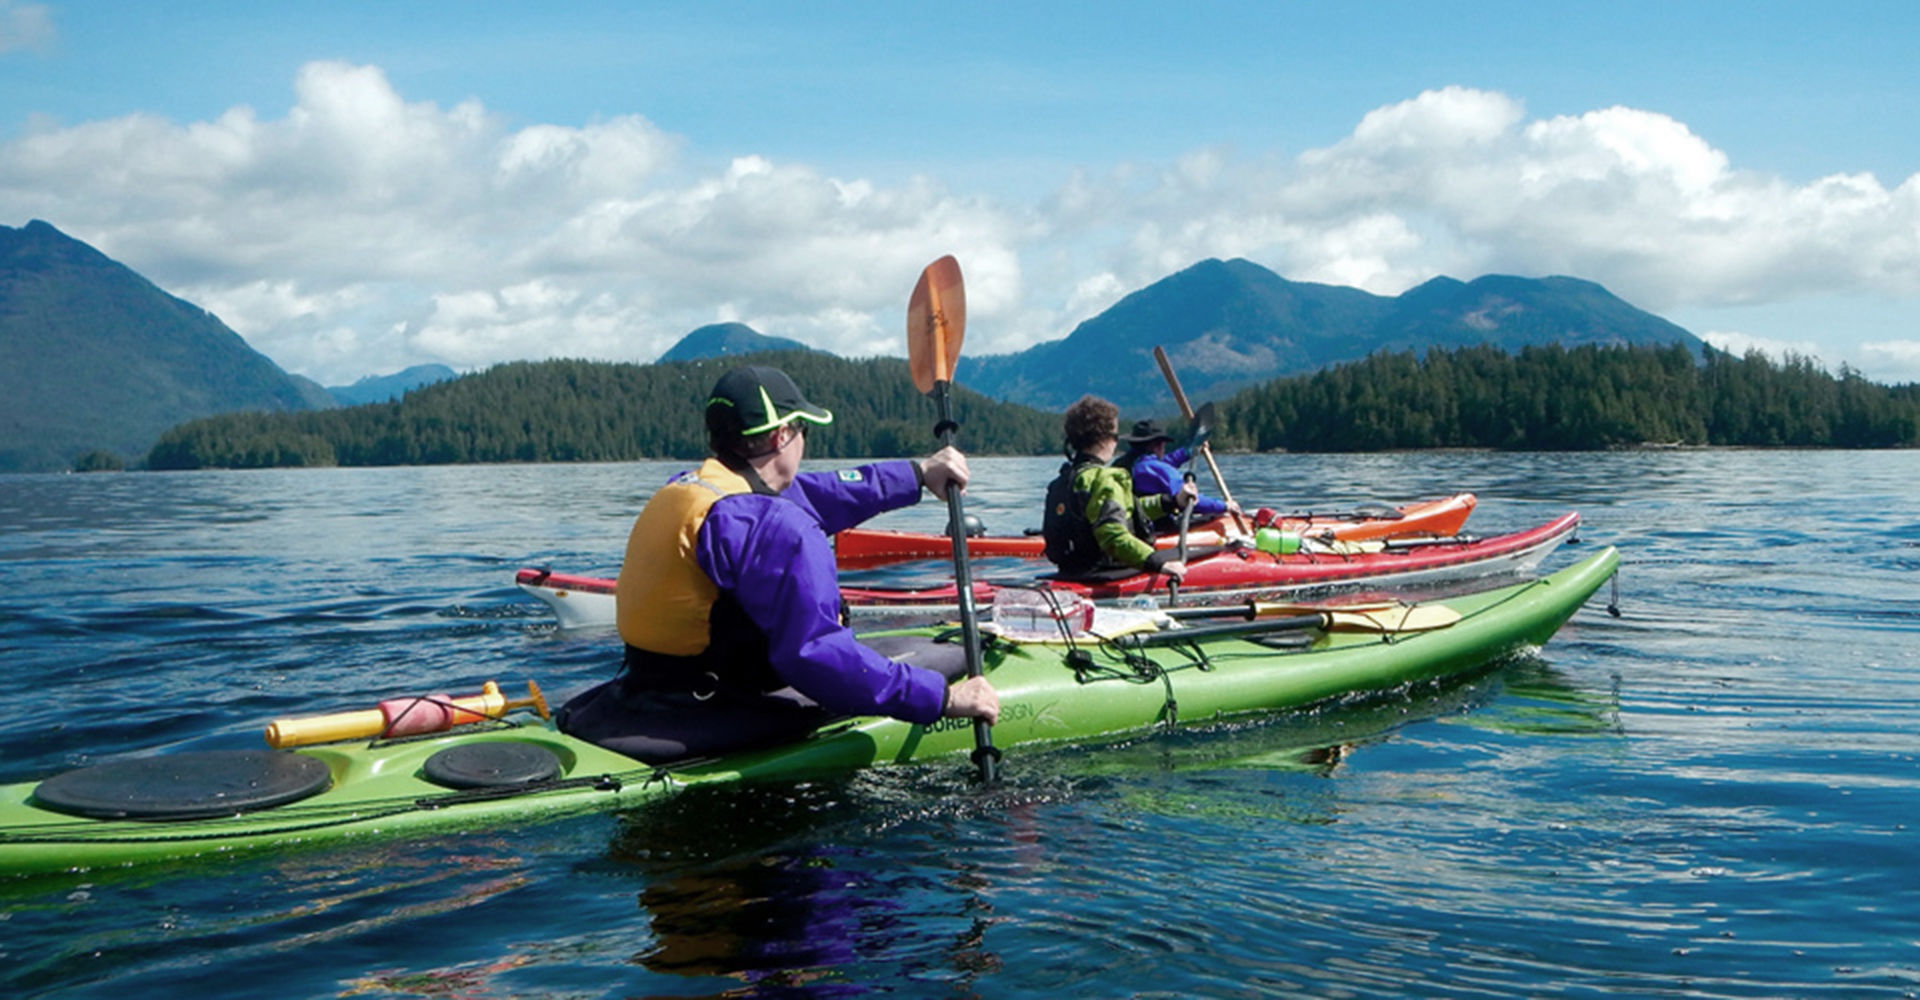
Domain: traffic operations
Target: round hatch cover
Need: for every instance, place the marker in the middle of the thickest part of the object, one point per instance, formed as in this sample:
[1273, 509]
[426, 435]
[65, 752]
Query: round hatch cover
[492, 764]
[185, 785]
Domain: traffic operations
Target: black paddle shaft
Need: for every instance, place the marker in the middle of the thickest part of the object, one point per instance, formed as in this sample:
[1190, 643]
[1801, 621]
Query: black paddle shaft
[1186, 521]
[984, 753]
[1293, 623]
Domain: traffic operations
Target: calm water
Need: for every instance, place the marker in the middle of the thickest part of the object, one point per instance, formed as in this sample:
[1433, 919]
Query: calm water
[1711, 796]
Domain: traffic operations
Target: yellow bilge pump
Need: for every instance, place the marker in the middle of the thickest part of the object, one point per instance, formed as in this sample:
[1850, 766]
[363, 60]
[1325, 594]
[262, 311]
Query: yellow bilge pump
[397, 717]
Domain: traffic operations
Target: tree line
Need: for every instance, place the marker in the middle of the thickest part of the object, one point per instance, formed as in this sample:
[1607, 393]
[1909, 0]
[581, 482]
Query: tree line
[588, 411]
[1554, 398]
[1541, 398]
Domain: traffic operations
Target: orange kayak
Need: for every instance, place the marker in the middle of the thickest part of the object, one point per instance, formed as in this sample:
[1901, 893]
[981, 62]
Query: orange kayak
[861, 548]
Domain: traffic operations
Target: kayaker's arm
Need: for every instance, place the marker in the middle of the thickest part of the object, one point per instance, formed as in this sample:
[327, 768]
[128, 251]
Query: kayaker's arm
[848, 497]
[767, 552]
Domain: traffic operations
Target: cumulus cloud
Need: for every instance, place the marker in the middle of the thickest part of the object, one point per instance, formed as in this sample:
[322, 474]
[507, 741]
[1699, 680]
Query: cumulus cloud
[1892, 360]
[1461, 182]
[1737, 343]
[360, 232]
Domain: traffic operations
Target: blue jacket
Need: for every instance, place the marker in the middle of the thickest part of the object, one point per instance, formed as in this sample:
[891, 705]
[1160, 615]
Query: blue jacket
[773, 555]
[1158, 474]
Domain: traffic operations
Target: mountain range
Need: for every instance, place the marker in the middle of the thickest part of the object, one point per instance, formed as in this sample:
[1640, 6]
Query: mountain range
[98, 358]
[1226, 325]
[383, 388]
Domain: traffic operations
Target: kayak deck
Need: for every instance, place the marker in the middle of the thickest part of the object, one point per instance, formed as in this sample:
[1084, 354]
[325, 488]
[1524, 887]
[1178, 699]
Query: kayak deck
[1127, 688]
[375, 789]
[1125, 685]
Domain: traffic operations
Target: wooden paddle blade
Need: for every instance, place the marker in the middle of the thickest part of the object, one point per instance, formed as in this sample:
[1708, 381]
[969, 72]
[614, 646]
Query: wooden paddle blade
[1416, 618]
[936, 323]
[1274, 609]
[1366, 616]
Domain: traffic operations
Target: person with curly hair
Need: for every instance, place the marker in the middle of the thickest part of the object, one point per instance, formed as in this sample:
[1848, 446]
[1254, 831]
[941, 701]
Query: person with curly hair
[1094, 524]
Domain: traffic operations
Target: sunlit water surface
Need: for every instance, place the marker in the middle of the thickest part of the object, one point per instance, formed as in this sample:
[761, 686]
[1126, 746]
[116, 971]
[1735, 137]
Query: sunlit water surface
[1709, 796]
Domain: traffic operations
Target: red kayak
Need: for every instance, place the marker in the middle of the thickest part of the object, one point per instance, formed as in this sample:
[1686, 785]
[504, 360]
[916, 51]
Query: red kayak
[1386, 564]
[1246, 574]
[861, 548]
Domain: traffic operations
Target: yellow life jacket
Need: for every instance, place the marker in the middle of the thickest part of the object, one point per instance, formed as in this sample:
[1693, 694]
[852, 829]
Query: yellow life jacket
[663, 599]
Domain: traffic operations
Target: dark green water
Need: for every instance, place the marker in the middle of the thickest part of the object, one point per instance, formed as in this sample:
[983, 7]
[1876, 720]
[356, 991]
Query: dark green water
[1710, 796]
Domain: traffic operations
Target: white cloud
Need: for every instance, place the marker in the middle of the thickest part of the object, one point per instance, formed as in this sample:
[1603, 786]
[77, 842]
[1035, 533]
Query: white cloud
[363, 233]
[360, 232]
[1459, 182]
[25, 26]
[1886, 361]
[1891, 360]
[1740, 344]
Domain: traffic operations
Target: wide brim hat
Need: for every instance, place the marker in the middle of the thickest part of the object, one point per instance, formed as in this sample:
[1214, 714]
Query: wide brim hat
[1146, 432]
[755, 399]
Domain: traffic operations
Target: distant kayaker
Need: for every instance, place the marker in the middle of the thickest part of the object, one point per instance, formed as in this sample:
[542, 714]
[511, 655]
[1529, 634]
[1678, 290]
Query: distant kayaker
[729, 603]
[1094, 522]
[1156, 471]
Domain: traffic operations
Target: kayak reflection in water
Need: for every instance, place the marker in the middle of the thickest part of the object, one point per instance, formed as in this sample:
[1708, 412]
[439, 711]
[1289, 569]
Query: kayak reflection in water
[729, 603]
[754, 884]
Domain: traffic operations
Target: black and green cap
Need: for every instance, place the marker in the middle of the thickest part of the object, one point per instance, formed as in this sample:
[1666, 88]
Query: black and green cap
[754, 399]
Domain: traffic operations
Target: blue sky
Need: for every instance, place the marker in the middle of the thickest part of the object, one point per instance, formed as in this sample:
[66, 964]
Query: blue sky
[358, 187]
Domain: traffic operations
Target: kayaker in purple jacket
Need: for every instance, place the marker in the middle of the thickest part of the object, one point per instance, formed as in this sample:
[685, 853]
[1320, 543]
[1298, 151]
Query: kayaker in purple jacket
[729, 602]
[1156, 470]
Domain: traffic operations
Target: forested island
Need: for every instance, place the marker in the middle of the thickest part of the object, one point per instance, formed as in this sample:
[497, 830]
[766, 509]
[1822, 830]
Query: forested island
[1540, 398]
[1572, 399]
[589, 411]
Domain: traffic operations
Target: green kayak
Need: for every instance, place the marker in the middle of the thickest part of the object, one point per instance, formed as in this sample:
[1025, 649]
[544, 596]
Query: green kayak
[216, 802]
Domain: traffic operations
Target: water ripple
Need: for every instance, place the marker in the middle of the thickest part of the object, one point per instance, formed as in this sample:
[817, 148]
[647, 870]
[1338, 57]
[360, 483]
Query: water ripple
[1709, 796]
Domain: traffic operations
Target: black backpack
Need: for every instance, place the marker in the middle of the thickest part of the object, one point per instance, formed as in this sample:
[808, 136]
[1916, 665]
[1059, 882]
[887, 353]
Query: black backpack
[1070, 542]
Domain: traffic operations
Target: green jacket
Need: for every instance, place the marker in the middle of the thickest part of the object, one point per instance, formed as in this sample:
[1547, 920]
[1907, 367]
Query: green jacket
[1118, 518]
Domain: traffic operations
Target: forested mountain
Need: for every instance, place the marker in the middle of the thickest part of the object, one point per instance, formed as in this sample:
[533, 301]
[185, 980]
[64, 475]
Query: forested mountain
[581, 411]
[719, 340]
[1556, 399]
[1541, 398]
[99, 362]
[97, 358]
[1231, 324]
